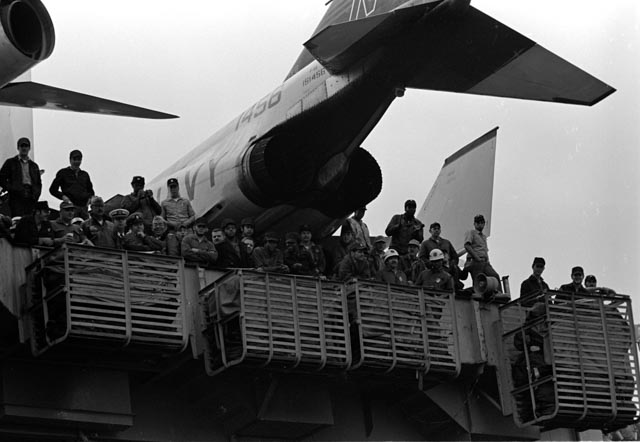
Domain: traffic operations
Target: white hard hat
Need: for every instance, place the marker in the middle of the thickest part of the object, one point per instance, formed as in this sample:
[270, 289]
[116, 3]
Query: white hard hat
[390, 254]
[435, 255]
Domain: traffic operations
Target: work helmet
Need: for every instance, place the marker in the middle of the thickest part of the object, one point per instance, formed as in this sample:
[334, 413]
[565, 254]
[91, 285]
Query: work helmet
[436, 255]
[390, 254]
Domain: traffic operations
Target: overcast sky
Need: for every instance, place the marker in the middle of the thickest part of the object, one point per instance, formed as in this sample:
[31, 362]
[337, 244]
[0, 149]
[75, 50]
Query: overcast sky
[566, 184]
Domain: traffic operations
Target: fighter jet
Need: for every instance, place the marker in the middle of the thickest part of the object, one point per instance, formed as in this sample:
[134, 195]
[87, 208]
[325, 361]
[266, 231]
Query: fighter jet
[295, 156]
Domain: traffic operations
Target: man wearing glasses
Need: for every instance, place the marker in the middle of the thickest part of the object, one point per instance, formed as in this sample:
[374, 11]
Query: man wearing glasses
[74, 184]
[20, 177]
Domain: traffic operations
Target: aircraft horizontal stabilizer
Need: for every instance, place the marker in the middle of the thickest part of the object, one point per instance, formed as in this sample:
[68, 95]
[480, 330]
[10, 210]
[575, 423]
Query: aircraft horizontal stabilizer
[41, 96]
[480, 55]
[338, 46]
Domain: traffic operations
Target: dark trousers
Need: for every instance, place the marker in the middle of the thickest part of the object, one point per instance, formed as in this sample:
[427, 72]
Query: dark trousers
[21, 205]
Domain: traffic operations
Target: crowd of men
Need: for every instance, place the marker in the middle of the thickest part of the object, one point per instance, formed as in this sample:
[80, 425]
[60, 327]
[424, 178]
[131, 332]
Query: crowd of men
[170, 227]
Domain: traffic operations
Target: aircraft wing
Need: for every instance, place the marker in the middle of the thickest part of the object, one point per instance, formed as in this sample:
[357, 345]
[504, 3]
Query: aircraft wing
[463, 189]
[36, 95]
[472, 53]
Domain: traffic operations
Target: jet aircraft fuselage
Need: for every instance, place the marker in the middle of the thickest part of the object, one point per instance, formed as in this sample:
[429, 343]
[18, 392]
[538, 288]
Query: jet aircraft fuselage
[294, 157]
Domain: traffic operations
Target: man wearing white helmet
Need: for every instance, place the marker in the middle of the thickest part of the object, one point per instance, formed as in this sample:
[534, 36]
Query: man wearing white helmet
[435, 277]
[391, 274]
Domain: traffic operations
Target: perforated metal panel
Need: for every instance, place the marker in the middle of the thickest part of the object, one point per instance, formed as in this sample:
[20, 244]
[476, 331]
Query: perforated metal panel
[276, 321]
[92, 297]
[572, 360]
[404, 328]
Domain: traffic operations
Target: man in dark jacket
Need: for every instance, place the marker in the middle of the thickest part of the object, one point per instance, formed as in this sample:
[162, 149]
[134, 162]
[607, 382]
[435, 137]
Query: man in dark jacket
[74, 184]
[575, 286]
[355, 265]
[35, 230]
[20, 177]
[97, 228]
[404, 227]
[534, 284]
[142, 201]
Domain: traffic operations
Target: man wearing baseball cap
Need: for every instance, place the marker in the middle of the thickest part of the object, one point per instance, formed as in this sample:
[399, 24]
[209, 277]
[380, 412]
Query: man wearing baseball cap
[376, 254]
[410, 264]
[355, 265]
[63, 229]
[35, 229]
[229, 254]
[20, 177]
[142, 201]
[198, 249]
[97, 228]
[534, 285]
[575, 286]
[176, 210]
[73, 184]
[270, 258]
[404, 227]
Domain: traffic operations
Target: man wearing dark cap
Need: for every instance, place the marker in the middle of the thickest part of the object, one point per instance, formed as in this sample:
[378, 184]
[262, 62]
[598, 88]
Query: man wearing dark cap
[534, 285]
[35, 230]
[435, 241]
[177, 211]
[575, 286]
[410, 264]
[198, 249]
[319, 261]
[404, 227]
[73, 184]
[229, 254]
[591, 284]
[119, 218]
[270, 258]
[136, 239]
[247, 228]
[63, 229]
[20, 177]
[359, 228]
[142, 201]
[376, 255]
[298, 259]
[97, 228]
[355, 265]
[475, 243]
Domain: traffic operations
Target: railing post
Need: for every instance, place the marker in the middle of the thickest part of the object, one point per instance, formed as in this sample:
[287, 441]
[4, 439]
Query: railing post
[296, 322]
[127, 299]
[323, 338]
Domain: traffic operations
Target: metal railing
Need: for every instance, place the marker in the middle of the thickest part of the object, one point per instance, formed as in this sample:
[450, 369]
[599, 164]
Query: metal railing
[276, 321]
[93, 297]
[572, 361]
[289, 322]
[404, 328]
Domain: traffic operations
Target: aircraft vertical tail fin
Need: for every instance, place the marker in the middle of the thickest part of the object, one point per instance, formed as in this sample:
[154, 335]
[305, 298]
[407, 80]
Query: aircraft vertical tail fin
[342, 11]
[463, 189]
